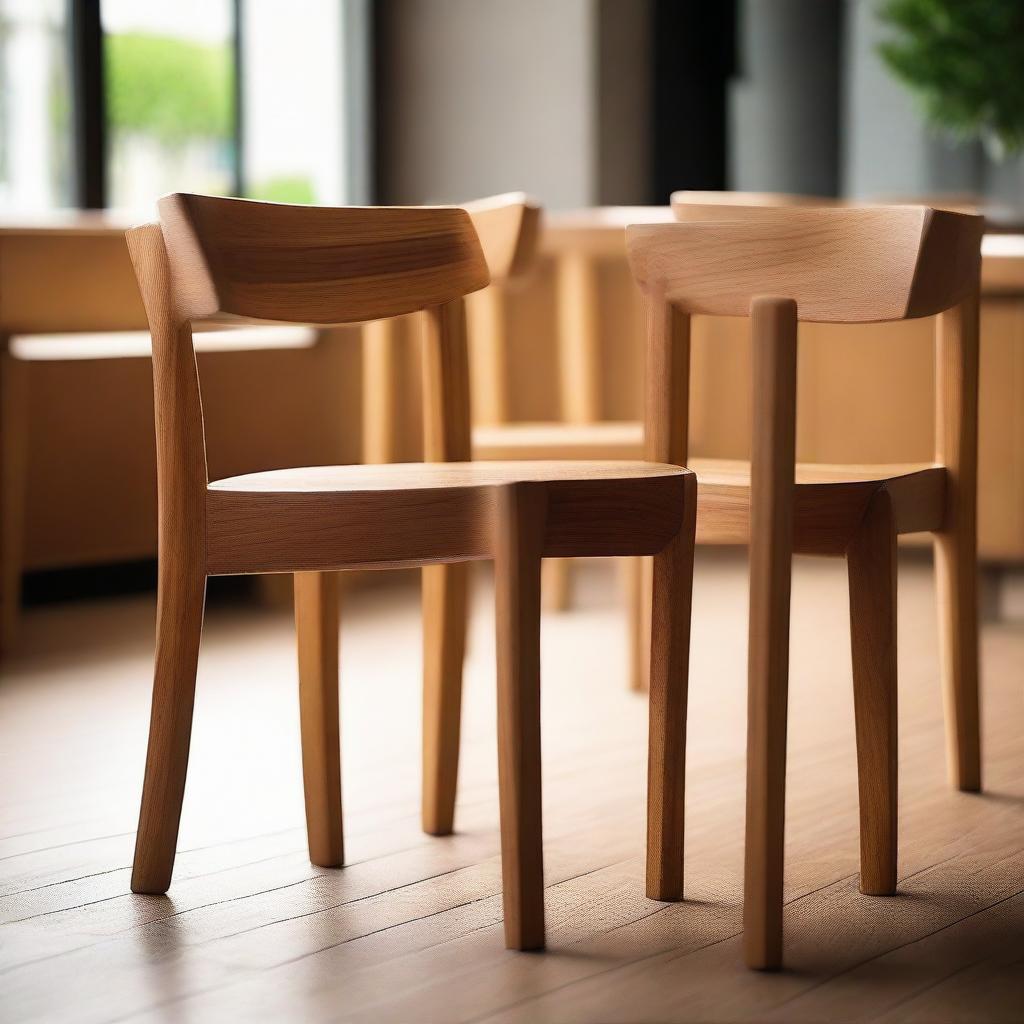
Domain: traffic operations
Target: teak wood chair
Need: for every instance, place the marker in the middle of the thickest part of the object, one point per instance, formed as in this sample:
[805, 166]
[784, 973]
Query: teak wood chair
[781, 267]
[233, 261]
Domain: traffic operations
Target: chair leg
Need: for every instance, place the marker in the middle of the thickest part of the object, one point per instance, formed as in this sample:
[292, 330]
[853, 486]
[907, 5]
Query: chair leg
[670, 662]
[556, 584]
[766, 776]
[519, 543]
[445, 611]
[641, 617]
[956, 572]
[316, 627]
[774, 350]
[13, 477]
[871, 560]
[631, 573]
[179, 624]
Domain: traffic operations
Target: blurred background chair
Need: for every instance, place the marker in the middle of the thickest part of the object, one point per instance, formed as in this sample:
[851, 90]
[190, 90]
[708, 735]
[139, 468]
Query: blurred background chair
[829, 266]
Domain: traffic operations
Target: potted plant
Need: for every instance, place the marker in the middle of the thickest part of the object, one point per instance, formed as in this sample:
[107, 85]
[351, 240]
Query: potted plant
[964, 60]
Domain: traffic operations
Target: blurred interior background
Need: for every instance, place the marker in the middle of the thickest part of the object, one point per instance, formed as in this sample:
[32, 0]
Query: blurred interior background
[107, 104]
[113, 102]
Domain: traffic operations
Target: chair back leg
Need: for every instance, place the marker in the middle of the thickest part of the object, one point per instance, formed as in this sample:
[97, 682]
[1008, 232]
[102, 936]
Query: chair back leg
[445, 614]
[316, 628]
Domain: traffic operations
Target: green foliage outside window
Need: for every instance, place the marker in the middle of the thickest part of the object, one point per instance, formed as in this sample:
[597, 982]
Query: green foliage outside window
[170, 89]
[964, 60]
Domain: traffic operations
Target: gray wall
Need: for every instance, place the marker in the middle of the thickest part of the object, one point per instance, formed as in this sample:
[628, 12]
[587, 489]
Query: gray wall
[485, 96]
[488, 96]
[783, 130]
[887, 149]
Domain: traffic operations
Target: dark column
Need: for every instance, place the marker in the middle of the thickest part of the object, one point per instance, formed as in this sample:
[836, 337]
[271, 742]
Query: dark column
[693, 57]
[784, 105]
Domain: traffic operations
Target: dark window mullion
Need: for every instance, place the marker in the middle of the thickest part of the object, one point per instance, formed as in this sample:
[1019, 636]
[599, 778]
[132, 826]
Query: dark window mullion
[89, 104]
[239, 92]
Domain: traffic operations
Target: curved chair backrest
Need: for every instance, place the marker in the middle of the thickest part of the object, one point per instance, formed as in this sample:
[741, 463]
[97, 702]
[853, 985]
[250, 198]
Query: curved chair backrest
[508, 227]
[840, 265]
[238, 259]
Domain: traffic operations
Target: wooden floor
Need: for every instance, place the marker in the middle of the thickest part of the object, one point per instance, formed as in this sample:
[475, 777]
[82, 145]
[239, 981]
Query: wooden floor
[411, 929]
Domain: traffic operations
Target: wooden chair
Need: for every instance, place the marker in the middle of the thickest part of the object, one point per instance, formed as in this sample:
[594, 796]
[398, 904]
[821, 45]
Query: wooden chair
[781, 267]
[233, 261]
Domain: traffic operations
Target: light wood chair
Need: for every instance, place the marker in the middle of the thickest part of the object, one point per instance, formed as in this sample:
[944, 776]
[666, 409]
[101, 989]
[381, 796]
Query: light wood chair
[780, 267]
[232, 261]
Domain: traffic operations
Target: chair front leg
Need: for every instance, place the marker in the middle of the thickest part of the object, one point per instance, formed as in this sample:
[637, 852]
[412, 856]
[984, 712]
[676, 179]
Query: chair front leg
[774, 347]
[179, 624]
[871, 560]
[519, 540]
[316, 628]
[669, 674]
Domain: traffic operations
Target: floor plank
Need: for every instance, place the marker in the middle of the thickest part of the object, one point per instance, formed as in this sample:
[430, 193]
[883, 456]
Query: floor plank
[411, 928]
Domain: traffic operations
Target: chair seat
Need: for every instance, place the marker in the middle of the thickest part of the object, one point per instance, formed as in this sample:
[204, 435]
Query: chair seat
[604, 440]
[335, 517]
[829, 501]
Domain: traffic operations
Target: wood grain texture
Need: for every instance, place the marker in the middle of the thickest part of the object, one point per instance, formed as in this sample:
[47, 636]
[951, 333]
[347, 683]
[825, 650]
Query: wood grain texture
[871, 561]
[508, 227]
[839, 265]
[579, 339]
[181, 475]
[773, 343]
[519, 543]
[405, 514]
[380, 344]
[445, 592]
[829, 502]
[842, 265]
[956, 559]
[214, 258]
[487, 321]
[316, 629]
[303, 264]
[446, 426]
[669, 679]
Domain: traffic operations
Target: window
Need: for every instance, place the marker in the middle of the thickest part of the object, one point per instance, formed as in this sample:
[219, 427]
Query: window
[169, 77]
[117, 102]
[35, 105]
[292, 120]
